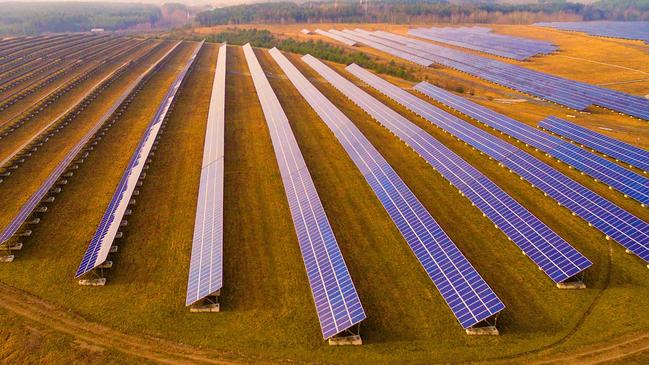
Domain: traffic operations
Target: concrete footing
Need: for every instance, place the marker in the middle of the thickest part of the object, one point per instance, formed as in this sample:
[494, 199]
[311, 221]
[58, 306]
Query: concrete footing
[7, 258]
[572, 285]
[205, 308]
[352, 340]
[93, 282]
[17, 246]
[483, 331]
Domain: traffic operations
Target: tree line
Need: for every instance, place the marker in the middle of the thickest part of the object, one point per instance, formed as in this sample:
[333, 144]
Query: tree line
[420, 11]
[40, 17]
[319, 49]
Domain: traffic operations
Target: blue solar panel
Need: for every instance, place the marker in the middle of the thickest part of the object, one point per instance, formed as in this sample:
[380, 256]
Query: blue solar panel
[628, 182]
[482, 39]
[381, 46]
[570, 93]
[616, 223]
[206, 264]
[33, 201]
[614, 29]
[336, 37]
[102, 240]
[336, 300]
[465, 291]
[549, 251]
[632, 155]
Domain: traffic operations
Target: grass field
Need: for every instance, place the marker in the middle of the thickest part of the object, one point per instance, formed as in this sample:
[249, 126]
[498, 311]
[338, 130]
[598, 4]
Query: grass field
[267, 309]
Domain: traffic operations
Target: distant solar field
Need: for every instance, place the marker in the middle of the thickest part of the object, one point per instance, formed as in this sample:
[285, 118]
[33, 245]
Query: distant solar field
[484, 40]
[624, 30]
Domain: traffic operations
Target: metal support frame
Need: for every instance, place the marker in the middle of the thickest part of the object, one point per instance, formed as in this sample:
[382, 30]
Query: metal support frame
[349, 337]
[486, 327]
[209, 304]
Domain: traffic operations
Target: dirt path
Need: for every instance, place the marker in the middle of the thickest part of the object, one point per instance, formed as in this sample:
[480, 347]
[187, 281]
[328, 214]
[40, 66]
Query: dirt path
[153, 349]
[59, 319]
[616, 349]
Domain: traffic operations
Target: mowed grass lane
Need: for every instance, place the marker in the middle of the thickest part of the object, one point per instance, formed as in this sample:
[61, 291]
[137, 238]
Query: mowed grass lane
[21, 184]
[541, 314]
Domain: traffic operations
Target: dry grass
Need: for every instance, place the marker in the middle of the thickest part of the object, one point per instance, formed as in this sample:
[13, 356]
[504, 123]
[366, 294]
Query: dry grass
[267, 307]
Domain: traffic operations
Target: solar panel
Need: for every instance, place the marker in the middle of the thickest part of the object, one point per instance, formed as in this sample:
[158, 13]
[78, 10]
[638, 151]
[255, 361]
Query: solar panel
[632, 155]
[206, 263]
[547, 249]
[102, 240]
[616, 223]
[334, 294]
[464, 290]
[336, 37]
[482, 39]
[628, 182]
[614, 29]
[381, 46]
[26, 209]
[570, 93]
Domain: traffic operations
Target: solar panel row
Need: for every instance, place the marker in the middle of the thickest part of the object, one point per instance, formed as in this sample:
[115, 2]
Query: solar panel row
[206, 263]
[548, 250]
[34, 200]
[615, 29]
[17, 151]
[570, 93]
[628, 182]
[337, 303]
[377, 44]
[632, 155]
[102, 241]
[484, 40]
[336, 37]
[616, 223]
[465, 291]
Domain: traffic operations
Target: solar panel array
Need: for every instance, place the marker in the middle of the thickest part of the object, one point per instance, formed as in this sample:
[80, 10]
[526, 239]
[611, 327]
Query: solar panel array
[484, 40]
[570, 93]
[638, 30]
[547, 249]
[336, 37]
[632, 155]
[101, 242]
[379, 44]
[465, 291]
[628, 182]
[34, 200]
[616, 223]
[336, 300]
[206, 263]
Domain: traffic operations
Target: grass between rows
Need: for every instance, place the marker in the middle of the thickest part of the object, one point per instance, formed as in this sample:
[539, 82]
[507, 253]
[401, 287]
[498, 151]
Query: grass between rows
[267, 306]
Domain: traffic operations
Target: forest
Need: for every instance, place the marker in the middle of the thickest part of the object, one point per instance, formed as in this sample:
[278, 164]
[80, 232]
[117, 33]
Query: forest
[36, 18]
[420, 11]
